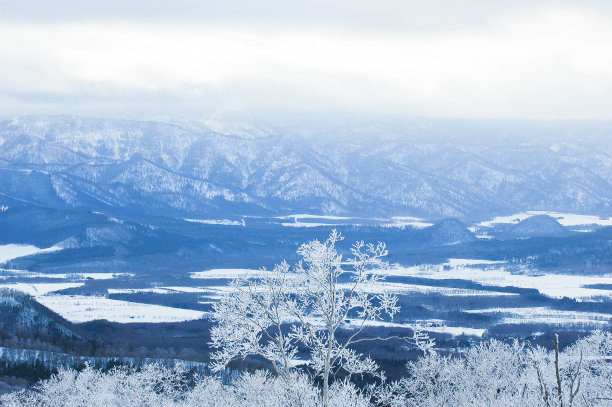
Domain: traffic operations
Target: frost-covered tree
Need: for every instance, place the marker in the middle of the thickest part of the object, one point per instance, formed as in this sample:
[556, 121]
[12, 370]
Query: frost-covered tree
[488, 375]
[303, 307]
[500, 374]
[157, 386]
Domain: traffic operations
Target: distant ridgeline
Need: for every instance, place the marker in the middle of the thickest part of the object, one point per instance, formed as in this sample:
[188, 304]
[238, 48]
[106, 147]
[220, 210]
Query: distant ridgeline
[433, 169]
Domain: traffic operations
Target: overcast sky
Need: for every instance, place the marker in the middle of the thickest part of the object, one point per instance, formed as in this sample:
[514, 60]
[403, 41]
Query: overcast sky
[530, 59]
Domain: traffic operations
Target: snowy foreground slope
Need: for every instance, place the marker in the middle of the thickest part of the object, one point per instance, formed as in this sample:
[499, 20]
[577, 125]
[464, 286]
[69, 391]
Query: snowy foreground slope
[492, 374]
[427, 168]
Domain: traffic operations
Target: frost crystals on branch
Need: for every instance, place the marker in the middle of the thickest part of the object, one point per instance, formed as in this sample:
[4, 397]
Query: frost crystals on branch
[303, 307]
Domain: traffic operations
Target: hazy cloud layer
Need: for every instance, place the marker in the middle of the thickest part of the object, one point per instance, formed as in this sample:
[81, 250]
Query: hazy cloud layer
[471, 59]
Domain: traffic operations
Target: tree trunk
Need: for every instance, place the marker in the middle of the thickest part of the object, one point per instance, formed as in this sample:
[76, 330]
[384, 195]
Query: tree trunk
[559, 388]
[327, 369]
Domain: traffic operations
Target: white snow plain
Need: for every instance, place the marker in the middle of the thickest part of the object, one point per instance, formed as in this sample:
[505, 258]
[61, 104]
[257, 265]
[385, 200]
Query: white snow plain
[79, 308]
[14, 251]
[39, 289]
[545, 315]
[231, 274]
[224, 222]
[565, 219]
[497, 274]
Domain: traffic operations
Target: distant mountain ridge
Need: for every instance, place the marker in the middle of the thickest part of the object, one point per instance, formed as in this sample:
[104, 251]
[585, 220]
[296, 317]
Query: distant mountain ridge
[361, 169]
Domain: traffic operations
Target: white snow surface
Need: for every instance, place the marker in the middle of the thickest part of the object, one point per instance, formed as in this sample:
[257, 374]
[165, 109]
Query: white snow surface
[565, 219]
[552, 285]
[224, 222]
[402, 288]
[25, 274]
[136, 290]
[39, 289]
[377, 288]
[403, 221]
[78, 308]
[159, 290]
[428, 326]
[307, 224]
[309, 216]
[545, 315]
[231, 273]
[13, 251]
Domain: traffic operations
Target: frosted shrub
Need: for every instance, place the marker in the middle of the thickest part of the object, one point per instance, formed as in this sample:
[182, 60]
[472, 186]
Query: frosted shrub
[499, 374]
[344, 394]
[491, 374]
[159, 386]
[151, 386]
[259, 389]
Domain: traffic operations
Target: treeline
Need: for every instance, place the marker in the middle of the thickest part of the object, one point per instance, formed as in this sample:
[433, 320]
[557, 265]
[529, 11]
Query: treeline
[53, 361]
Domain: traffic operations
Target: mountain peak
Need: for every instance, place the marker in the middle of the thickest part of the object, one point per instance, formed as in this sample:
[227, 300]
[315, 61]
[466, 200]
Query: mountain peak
[536, 226]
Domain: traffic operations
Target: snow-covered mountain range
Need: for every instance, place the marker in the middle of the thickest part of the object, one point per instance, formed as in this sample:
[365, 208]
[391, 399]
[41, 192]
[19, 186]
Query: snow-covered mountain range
[422, 167]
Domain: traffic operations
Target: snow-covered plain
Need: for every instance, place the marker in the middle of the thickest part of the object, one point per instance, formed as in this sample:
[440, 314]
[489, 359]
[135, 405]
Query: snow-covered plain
[310, 216]
[378, 288]
[159, 290]
[13, 251]
[154, 290]
[406, 289]
[329, 220]
[231, 274]
[545, 315]
[39, 289]
[4, 273]
[485, 272]
[429, 326]
[488, 273]
[224, 222]
[552, 285]
[565, 219]
[403, 221]
[78, 308]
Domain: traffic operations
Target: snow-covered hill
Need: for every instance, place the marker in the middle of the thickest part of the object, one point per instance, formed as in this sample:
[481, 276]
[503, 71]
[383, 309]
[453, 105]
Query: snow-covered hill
[427, 168]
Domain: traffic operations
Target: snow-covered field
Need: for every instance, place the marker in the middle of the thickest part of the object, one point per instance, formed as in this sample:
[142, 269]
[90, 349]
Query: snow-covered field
[565, 219]
[327, 220]
[296, 217]
[224, 222]
[485, 272]
[552, 285]
[78, 308]
[159, 290]
[154, 290]
[403, 221]
[429, 326]
[4, 274]
[545, 315]
[13, 251]
[230, 274]
[39, 289]
[377, 288]
[571, 220]
[406, 289]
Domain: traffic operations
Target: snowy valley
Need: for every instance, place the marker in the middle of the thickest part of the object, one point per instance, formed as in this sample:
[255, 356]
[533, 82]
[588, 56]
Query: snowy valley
[119, 239]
